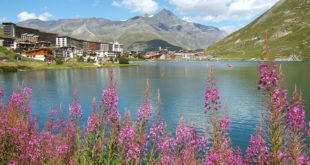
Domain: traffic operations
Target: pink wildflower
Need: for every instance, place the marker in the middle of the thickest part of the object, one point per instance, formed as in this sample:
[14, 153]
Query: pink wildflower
[1, 92]
[62, 149]
[127, 143]
[110, 102]
[145, 112]
[212, 98]
[75, 111]
[279, 97]
[268, 75]
[257, 151]
[27, 92]
[309, 130]
[13, 162]
[93, 119]
[296, 118]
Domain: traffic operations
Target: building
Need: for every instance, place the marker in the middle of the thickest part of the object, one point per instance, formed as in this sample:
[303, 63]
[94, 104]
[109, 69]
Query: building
[76, 44]
[94, 46]
[63, 41]
[42, 54]
[85, 45]
[48, 37]
[20, 46]
[116, 47]
[30, 38]
[12, 30]
[104, 47]
[7, 41]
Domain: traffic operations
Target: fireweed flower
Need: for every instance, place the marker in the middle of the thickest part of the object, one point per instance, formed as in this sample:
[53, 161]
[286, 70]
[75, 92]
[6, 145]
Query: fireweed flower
[75, 111]
[20, 100]
[145, 112]
[27, 92]
[13, 162]
[93, 119]
[257, 151]
[156, 130]
[1, 92]
[296, 118]
[296, 113]
[279, 97]
[212, 98]
[224, 125]
[268, 75]
[62, 150]
[309, 130]
[187, 143]
[109, 103]
[127, 143]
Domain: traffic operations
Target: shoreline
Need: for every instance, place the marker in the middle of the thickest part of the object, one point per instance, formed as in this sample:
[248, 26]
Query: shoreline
[39, 66]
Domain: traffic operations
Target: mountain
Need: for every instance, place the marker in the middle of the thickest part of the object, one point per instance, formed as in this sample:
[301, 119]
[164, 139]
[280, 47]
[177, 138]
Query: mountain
[164, 26]
[287, 25]
[153, 45]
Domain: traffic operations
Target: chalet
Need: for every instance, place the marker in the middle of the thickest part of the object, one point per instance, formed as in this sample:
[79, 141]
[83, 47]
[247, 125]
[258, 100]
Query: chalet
[42, 54]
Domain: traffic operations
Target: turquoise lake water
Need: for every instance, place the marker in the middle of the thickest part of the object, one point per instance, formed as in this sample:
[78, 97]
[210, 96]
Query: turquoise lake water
[182, 86]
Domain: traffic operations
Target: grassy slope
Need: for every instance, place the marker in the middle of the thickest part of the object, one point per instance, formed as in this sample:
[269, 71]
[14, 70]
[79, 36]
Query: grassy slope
[11, 56]
[247, 43]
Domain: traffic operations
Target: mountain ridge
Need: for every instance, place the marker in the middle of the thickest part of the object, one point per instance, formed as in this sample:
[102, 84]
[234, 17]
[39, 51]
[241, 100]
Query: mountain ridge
[164, 25]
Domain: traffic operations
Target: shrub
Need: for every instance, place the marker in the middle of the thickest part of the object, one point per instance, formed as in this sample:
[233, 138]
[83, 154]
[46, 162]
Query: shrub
[123, 60]
[89, 60]
[80, 59]
[8, 69]
[17, 57]
[111, 59]
[59, 61]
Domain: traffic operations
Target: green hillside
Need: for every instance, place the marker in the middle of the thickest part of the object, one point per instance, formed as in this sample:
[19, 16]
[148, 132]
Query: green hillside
[287, 25]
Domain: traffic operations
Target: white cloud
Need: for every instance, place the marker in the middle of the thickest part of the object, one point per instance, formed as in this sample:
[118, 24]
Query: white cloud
[201, 6]
[3, 19]
[142, 6]
[45, 16]
[23, 16]
[207, 18]
[231, 28]
[222, 10]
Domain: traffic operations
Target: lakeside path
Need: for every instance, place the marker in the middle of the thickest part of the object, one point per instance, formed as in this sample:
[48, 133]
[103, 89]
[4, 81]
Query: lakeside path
[33, 66]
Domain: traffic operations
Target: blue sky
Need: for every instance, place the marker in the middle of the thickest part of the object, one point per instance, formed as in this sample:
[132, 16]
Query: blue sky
[228, 15]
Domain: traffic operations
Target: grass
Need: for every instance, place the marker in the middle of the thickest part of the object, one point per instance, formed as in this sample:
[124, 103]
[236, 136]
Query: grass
[33, 66]
[28, 64]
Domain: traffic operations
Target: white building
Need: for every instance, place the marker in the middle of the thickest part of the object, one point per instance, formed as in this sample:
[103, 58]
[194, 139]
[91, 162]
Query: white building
[63, 41]
[116, 47]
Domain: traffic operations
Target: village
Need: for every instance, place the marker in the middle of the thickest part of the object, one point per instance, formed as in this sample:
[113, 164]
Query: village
[46, 46]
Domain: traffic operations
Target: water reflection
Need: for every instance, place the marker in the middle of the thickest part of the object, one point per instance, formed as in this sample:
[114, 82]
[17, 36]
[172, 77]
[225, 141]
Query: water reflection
[182, 87]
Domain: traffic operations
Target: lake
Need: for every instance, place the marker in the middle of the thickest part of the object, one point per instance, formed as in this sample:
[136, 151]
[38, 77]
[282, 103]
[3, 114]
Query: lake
[182, 87]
